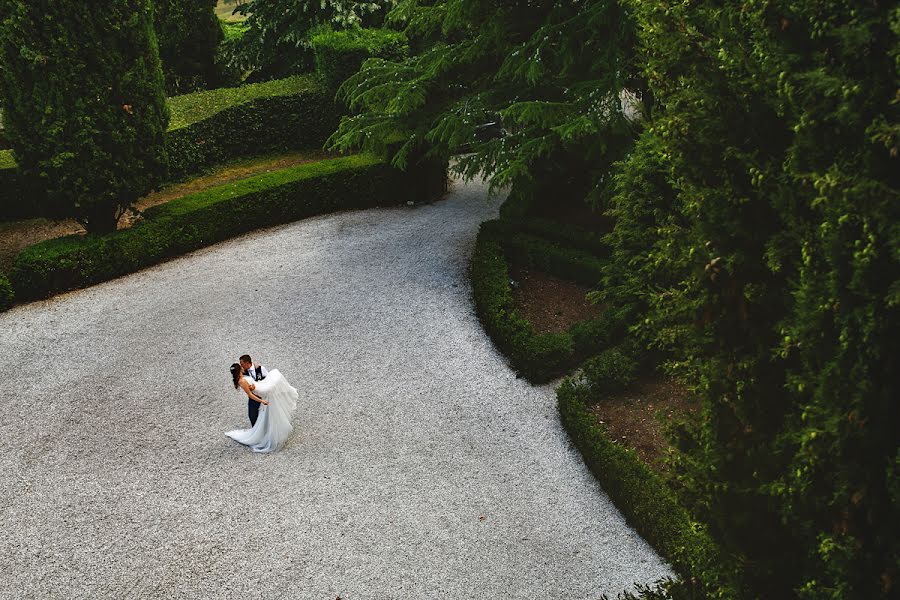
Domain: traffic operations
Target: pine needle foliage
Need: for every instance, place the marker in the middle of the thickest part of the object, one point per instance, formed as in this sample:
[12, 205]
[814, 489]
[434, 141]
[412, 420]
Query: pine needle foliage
[551, 71]
[276, 42]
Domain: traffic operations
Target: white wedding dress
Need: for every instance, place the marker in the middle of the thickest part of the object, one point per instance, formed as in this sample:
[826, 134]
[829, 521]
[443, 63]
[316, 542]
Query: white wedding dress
[274, 422]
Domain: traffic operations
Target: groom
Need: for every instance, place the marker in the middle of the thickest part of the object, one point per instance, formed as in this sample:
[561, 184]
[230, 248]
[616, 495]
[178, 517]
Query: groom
[256, 373]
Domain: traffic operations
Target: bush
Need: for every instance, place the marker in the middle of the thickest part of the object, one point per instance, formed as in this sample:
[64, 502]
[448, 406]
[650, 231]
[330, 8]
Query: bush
[339, 54]
[189, 34]
[6, 294]
[566, 263]
[217, 125]
[276, 42]
[214, 126]
[537, 357]
[208, 217]
[84, 105]
[645, 500]
[609, 372]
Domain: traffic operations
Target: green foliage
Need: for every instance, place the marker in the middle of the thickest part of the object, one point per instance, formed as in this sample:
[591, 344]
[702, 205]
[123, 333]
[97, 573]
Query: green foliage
[339, 54]
[552, 71]
[208, 217]
[538, 357]
[756, 239]
[611, 371]
[296, 113]
[6, 294]
[189, 109]
[214, 126]
[189, 34]
[84, 104]
[567, 263]
[276, 42]
[646, 501]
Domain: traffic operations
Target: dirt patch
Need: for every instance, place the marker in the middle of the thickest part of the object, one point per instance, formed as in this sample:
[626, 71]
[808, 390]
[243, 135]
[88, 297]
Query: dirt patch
[549, 303]
[17, 235]
[637, 417]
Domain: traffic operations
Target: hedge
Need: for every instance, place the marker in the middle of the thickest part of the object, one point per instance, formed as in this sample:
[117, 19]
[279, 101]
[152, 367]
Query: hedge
[537, 357]
[214, 126]
[646, 501]
[214, 215]
[339, 54]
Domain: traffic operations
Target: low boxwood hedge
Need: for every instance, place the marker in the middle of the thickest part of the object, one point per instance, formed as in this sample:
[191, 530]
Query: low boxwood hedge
[208, 217]
[537, 357]
[214, 126]
[339, 54]
[646, 501]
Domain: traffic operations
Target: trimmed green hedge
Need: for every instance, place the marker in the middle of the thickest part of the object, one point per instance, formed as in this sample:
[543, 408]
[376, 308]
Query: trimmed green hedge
[214, 126]
[211, 216]
[340, 54]
[646, 501]
[609, 372]
[537, 357]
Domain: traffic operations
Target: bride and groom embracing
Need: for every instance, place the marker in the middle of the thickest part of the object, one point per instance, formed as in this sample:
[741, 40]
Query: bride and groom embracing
[270, 402]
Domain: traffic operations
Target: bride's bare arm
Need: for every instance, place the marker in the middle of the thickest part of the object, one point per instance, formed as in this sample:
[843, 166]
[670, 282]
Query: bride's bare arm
[246, 387]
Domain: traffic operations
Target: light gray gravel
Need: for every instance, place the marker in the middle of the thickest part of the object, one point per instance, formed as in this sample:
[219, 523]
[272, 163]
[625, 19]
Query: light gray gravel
[419, 467]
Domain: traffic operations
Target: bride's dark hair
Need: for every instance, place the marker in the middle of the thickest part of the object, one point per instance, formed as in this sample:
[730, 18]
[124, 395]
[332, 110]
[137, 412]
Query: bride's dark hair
[236, 373]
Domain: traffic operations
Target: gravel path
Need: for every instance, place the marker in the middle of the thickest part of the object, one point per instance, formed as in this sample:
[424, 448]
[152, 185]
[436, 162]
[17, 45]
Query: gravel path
[420, 467]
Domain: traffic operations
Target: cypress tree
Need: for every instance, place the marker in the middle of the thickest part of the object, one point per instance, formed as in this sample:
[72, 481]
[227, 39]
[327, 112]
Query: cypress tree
[84, 104]
[189, 34]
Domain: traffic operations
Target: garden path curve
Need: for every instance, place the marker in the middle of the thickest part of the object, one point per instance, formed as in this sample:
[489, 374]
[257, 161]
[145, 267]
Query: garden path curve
[419, 467]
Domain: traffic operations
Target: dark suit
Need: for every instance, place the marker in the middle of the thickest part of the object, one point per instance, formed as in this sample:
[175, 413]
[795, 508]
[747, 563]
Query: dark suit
[255, 373]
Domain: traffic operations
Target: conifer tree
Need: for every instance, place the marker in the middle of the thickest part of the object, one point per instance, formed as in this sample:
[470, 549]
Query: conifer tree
[84, 104]
[189, 34]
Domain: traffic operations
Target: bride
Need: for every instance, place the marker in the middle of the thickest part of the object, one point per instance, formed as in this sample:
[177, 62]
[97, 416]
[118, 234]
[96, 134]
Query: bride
[278, 399]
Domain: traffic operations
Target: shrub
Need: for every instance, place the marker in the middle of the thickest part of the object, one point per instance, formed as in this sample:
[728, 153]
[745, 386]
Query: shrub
[537, 357]
[84, 104]
[646, 501]
[208, 217]
[6, 293]
[189, 34]
[276, 43]
[609, 372]
[339, 54]
[566, 263]
[214, 126]
[210, 127]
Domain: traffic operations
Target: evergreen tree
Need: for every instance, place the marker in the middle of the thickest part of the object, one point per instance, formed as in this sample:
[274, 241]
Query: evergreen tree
[756, 237]
[276, 41]
[189, 34]
[756, 240]
[84, 104]
[552, 72]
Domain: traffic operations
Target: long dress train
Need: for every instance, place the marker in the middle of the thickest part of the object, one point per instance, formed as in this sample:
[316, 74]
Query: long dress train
[274, 422]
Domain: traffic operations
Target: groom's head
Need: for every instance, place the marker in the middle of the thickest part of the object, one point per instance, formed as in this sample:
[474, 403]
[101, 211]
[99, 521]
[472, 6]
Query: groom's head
[246, 361]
